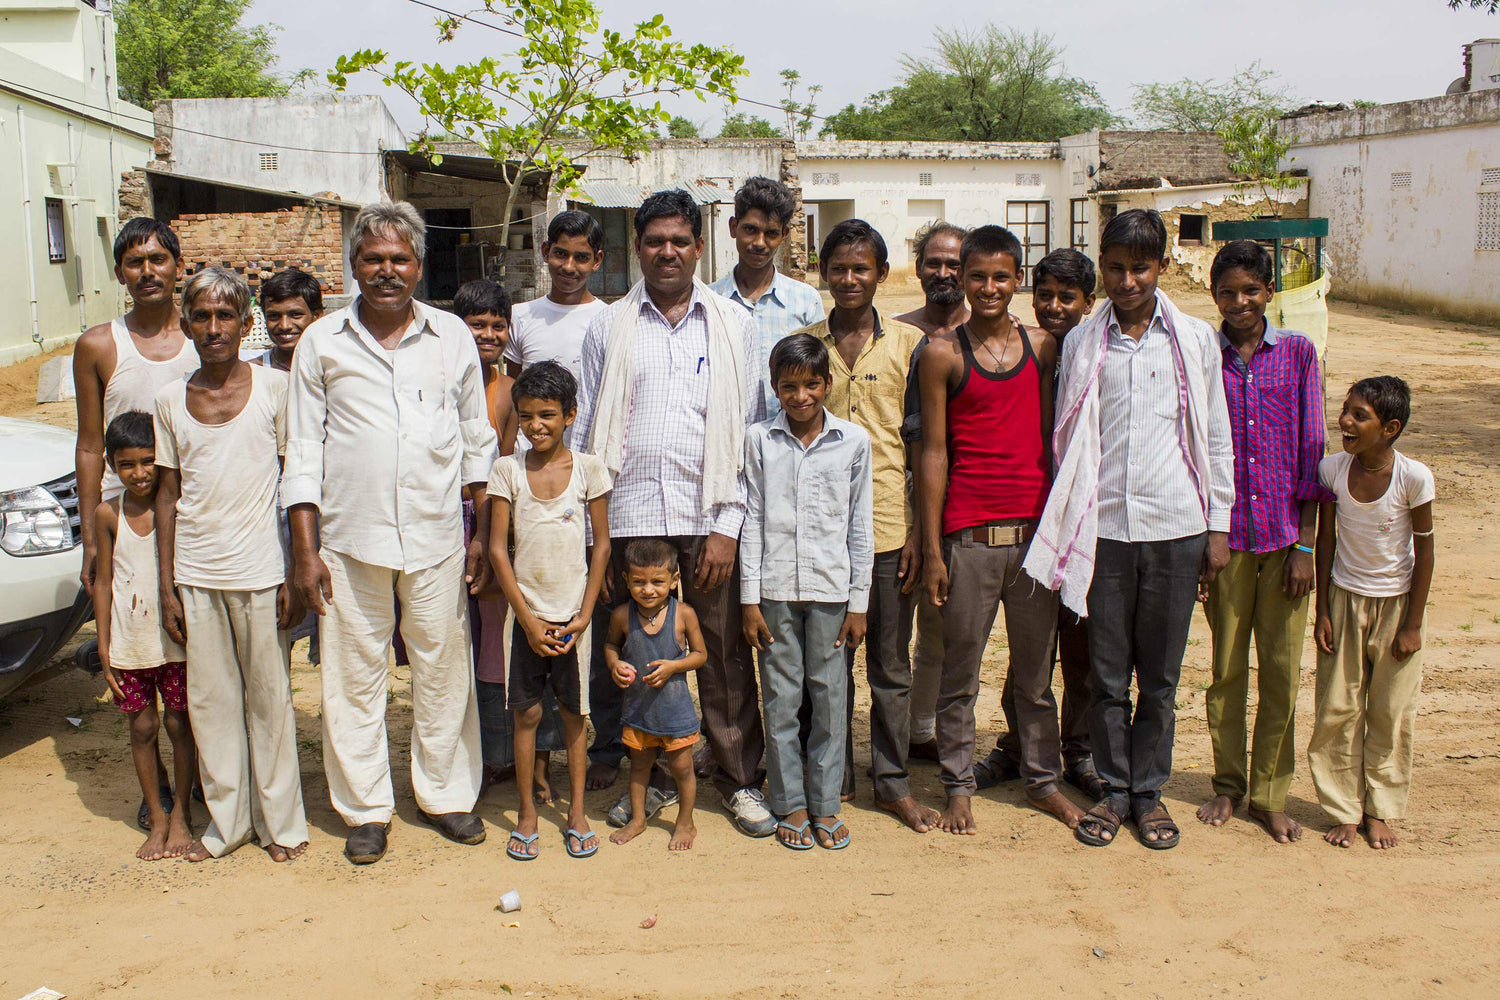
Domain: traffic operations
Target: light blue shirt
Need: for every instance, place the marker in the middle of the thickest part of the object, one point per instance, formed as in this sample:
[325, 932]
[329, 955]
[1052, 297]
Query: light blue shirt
[809, 524]
[788, 305]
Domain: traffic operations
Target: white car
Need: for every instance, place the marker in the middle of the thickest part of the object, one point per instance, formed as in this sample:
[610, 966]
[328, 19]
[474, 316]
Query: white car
[41, 601]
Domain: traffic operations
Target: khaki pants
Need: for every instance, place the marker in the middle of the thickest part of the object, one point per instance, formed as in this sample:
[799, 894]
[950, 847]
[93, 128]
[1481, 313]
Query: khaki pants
[240, 702]
[1362, 749]
[1247, 598]
[446, 761]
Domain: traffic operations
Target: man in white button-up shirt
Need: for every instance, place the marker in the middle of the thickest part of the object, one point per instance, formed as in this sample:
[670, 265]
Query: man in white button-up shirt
[659, 487]
[387, 424]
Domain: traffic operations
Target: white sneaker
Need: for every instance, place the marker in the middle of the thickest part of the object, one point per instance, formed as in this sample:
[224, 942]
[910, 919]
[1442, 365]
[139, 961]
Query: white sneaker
[750, 813]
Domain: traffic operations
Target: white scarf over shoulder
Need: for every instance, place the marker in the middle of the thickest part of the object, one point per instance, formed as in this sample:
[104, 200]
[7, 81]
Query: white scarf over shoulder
[724, 433]
[1061, 556]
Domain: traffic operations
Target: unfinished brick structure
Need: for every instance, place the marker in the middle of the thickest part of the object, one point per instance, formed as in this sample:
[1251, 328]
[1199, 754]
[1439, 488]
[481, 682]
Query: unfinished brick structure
[257, 244]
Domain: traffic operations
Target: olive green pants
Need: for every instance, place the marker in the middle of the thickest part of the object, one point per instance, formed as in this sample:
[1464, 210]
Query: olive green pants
[1247, 599]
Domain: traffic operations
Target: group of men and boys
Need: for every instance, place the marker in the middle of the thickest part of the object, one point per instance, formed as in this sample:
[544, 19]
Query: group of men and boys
[564, 508]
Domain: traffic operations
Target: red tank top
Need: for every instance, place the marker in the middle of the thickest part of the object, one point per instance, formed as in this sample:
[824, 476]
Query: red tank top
[998, 464]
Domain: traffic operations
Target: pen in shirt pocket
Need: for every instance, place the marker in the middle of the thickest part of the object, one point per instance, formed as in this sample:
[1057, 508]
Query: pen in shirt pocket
[699, 369]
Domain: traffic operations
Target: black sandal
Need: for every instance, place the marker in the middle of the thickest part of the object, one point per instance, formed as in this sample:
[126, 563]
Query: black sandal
[1082, 776]
[1102, 820]
[1159, 822]
[994, 770]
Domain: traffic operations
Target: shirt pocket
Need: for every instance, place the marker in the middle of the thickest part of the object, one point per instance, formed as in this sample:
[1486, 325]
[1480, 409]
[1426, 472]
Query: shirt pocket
[1278, 403]
[830, 500]
[1167, 403]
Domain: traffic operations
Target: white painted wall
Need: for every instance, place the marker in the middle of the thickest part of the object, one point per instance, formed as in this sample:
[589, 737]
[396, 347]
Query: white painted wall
[320, 144]
[61, 105]
[1410, 241]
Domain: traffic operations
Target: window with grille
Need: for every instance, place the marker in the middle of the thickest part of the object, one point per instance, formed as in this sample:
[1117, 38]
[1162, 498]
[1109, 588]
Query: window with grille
[1190, 229]
[1029, 180]
[1401, 180]
[1078, 223]
[268, 161]
[924, 180]
[57, 245]
[1487, 232]
[825, 178]
[1489, 176]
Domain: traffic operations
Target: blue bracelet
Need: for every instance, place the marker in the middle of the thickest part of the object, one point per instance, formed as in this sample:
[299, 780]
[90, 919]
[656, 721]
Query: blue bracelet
[1302, 548]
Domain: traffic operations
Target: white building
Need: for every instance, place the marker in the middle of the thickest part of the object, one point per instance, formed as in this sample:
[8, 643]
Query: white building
[65, 138]
[1412, 195]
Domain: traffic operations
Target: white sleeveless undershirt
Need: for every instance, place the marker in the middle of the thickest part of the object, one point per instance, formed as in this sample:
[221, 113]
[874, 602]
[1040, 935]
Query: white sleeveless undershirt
[134, 384]
[136, 639]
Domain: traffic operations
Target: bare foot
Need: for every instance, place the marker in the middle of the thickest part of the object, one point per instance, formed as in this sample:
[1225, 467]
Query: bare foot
[919, 817]
[1342, 835]
[682, 837]
[1282, 828]
[846, 796]
[542, 794]
[495, 775]
[1378, 835]
[632, 830]
[1059, 805]
[179, 834]
[197, 852]
[787, 832]
[1218, 810]
[926, 750]
[831, 841]
[280, 854]
[601, 774]
[155, 847]
[957, 818]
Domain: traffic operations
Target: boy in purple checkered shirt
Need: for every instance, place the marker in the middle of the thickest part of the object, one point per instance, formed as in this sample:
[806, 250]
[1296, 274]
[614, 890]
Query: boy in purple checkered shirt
[1275, 396]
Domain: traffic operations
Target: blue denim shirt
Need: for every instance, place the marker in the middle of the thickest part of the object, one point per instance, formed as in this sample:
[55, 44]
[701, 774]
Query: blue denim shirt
[809, 525]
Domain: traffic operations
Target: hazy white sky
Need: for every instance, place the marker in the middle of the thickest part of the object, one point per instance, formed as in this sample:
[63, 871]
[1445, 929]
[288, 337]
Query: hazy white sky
[1328, 50]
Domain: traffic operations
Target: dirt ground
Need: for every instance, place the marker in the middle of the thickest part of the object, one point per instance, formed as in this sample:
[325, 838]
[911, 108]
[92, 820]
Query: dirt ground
[1020, 908]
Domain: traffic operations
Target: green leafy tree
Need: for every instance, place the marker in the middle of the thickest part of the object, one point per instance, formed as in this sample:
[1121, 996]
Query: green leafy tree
[1210, 105]
[1256, 151]
[799, 114]
[168, 49]
[682, 128]
[741, 126]
[986, 84]
[1488, 6]
[565, 76]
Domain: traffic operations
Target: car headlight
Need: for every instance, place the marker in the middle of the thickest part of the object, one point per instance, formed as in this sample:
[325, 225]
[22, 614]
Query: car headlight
[33, 523]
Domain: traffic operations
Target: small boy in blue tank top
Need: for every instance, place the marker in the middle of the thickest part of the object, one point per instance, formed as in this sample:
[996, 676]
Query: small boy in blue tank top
[653, 642]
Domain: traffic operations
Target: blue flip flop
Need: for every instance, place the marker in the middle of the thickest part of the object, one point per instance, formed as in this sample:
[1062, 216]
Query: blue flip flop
[799, 831]
[832, 845]
[572, 835]
[526, 842]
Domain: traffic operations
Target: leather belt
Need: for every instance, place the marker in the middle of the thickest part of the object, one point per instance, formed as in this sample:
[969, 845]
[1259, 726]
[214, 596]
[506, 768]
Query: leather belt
[995, 535]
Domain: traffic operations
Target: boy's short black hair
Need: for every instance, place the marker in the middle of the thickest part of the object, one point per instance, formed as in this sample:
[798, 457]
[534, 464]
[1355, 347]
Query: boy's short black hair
[292, 284]
[991, 240]
[140, 230]
[480, 296]
[131, 429]
[675, 203]
[644, 553]
[1067, 267]
[1388, 395]
[799, 352]
[547, 380]
[853, 233]
[1247, 255]
[924, 236]
[772, 197]
[1140, 231]
[575, 222]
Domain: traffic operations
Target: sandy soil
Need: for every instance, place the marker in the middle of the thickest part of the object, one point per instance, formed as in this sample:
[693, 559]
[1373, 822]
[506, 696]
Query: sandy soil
[1021, 906]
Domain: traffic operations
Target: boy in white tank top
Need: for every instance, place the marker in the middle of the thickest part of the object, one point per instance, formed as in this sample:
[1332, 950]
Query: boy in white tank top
[219, 437]
[138, 657]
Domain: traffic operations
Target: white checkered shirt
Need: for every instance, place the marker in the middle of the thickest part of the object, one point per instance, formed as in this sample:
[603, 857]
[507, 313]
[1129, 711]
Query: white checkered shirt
[659, 490]
[787, 306]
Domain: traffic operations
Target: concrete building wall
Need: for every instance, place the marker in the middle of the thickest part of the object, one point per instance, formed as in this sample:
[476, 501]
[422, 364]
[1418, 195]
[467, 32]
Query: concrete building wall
[311, 145]
[1412, 194]
[64, 139]
[899, 187]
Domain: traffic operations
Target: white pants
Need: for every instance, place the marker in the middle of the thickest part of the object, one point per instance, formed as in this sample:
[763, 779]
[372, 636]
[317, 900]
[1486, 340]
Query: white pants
[355, 640]
[240, 704]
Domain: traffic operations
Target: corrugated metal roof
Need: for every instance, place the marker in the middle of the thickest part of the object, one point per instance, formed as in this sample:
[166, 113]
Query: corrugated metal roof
[617, 194]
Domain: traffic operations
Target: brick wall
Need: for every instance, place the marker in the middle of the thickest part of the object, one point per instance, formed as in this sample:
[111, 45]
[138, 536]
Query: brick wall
[1142, 159]
[258, 244]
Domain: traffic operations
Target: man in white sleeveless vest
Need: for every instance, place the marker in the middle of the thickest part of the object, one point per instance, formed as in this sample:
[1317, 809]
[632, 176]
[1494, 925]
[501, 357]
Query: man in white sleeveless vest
[120, 366]
[387, 424]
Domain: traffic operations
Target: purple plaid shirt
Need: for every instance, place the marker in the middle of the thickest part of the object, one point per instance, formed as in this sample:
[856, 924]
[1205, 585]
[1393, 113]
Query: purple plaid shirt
[1279, 430]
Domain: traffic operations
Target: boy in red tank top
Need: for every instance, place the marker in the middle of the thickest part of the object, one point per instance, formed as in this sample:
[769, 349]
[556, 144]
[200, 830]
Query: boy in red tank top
[984, 476]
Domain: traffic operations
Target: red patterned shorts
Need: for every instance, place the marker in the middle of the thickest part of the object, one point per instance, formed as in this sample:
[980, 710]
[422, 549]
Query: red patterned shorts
[140, 687]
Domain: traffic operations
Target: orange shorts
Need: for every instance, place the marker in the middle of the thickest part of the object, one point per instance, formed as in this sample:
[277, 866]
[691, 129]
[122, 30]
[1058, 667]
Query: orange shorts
[637, 740]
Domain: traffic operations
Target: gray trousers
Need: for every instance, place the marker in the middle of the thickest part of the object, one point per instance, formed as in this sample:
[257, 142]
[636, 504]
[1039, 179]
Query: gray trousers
[981, 578]
[803, 658]
[1073, 663]
[888, 670]
[1140, 607]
